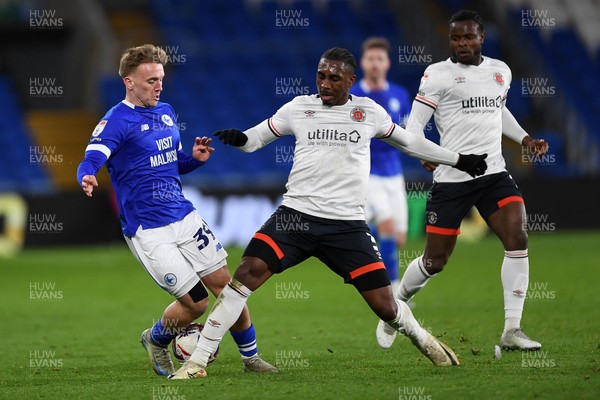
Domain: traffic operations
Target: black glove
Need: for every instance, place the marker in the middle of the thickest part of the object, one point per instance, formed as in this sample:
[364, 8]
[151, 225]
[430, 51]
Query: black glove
[472, 164]
[232, 137]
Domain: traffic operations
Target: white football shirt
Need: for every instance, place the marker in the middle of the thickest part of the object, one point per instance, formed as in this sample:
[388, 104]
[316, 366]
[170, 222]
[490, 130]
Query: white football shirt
[467, 101]
[331, 164]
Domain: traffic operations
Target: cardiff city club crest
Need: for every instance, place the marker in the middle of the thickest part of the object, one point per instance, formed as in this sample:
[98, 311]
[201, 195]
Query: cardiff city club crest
[167, 120]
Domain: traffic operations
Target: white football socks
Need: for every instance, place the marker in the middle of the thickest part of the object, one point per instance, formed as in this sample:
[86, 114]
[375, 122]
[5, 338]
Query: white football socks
[515, 279]
[406, 323]
[225, 313]
[414, 279]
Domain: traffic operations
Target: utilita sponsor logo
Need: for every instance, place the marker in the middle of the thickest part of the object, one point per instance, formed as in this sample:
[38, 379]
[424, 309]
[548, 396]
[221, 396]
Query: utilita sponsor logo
[333, 134]
[482, 102]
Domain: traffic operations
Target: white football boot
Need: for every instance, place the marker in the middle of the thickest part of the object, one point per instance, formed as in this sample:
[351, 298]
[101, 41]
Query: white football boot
[437, 352]
[189, 370]
[385, 334]
[516, 339]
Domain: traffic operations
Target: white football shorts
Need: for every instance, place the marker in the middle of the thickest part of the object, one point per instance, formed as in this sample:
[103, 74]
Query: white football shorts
[179, 254]
[386, 198]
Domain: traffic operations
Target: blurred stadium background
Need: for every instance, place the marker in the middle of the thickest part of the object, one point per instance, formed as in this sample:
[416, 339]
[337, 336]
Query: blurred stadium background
[235, 62]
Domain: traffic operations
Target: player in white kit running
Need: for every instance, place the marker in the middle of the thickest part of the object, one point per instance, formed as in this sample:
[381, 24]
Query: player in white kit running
[322, 213]
[466, 95]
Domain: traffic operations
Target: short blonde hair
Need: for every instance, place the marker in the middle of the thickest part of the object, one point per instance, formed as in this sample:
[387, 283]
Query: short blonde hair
[135, 56]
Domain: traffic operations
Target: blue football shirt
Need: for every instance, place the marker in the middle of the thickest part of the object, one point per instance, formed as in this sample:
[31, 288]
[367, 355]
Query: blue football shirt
[385, 159]
[142, 151]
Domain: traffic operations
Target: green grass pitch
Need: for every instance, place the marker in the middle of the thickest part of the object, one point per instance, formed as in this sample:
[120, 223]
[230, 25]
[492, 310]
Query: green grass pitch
[71, 320]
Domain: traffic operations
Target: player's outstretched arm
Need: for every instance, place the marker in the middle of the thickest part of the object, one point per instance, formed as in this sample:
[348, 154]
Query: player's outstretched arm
[419, 117]
[417, 146]
[87, 170]
[252, 139]
[514, 131]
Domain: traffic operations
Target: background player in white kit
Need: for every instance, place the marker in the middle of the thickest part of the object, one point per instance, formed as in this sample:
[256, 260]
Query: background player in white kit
[386, 206]
[139, 141]
[325, 198]
[467, 94]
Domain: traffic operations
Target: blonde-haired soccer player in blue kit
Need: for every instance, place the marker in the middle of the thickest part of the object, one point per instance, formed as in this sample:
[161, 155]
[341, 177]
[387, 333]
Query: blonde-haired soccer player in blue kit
[139, 141]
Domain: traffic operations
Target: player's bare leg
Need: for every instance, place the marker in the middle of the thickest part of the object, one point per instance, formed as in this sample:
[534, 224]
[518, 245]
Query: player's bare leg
[438, 250]
[230, 304]
[397, 315]
[509, 224]
[176, 316]
[242, 330]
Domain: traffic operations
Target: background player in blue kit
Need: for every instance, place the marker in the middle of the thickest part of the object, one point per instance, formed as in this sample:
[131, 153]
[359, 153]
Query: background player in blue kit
[386, 197]
[139, 142]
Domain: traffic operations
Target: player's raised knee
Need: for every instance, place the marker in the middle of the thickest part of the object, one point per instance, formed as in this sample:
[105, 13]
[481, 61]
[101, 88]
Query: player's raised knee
[434, 265]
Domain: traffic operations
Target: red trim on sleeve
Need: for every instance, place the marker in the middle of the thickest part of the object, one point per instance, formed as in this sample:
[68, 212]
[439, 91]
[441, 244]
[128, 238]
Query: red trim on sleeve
[424, 100]
[389, 132]
[272, 126]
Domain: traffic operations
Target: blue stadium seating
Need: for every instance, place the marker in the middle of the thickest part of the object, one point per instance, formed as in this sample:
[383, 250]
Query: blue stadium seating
[573, 72]
[229, 78]
[17, 173]
[233, 61]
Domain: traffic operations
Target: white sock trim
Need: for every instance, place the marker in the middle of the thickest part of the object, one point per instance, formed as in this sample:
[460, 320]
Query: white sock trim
[516, 253]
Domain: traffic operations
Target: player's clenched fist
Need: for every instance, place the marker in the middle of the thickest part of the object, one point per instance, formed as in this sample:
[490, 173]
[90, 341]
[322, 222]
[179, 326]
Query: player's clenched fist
[538, 146]
[88, 183]
[232, 137]
[472, 164]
